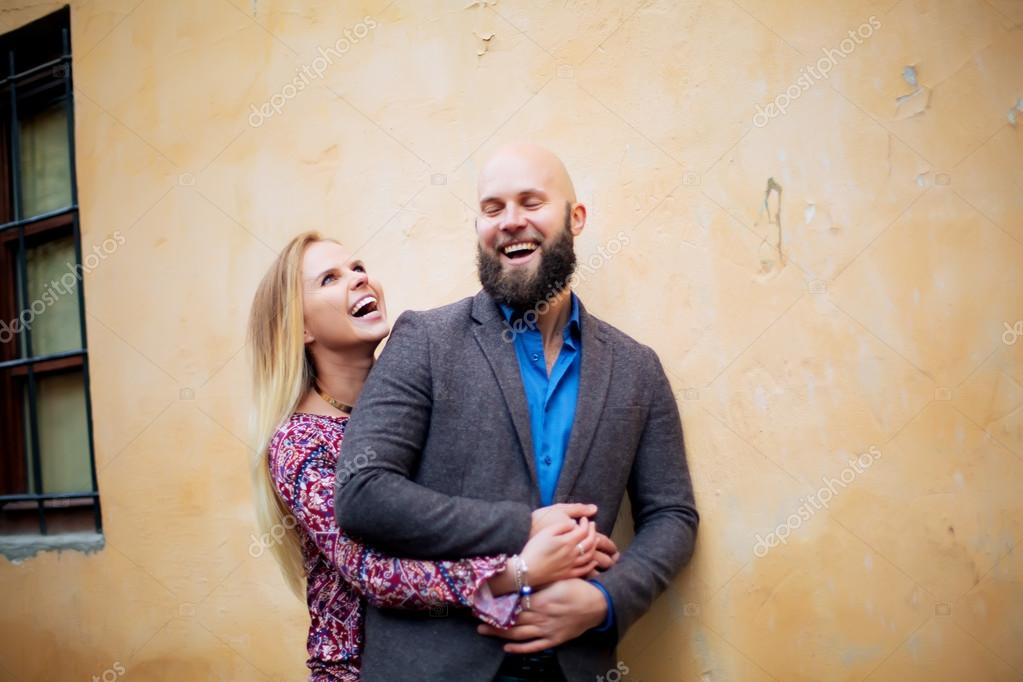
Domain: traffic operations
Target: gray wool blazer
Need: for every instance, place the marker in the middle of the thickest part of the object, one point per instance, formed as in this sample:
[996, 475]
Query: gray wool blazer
[438, 463]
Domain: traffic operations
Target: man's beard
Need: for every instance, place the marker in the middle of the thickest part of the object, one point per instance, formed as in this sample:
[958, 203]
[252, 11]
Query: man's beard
[521, 290]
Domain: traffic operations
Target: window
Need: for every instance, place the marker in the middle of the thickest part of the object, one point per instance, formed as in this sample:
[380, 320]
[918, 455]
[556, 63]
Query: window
[47, 469]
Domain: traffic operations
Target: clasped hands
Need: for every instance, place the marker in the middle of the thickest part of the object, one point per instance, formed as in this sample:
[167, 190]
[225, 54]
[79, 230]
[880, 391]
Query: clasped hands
[564, 549]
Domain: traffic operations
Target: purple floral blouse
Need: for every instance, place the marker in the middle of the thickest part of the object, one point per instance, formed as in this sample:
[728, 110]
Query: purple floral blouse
[343, 574]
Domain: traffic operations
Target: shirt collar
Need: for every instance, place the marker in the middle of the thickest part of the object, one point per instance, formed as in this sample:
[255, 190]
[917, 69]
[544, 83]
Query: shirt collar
[573, 327]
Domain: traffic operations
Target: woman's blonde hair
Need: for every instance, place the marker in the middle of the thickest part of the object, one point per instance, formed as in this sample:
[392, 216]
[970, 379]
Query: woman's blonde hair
[282, 372]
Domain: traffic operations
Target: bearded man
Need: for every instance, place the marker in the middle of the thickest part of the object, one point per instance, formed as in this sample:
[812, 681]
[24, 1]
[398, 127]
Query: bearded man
[485, 410]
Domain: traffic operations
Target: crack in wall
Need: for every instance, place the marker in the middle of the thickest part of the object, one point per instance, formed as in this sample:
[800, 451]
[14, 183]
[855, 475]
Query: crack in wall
[774, 188]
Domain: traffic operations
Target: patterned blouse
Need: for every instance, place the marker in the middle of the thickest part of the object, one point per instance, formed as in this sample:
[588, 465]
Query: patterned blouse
[343, 574]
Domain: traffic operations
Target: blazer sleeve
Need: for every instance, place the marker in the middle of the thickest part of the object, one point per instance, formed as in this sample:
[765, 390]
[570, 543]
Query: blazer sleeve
[663, 509]
[375, 498]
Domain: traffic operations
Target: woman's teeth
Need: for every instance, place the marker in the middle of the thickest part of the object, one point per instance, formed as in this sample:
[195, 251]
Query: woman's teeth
[362, 305]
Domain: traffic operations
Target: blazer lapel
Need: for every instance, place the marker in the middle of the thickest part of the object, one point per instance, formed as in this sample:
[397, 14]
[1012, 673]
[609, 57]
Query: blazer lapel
[594, 382]
[500, 353]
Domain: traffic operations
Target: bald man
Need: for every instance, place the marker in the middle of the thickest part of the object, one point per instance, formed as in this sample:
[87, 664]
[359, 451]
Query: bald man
[484, 411]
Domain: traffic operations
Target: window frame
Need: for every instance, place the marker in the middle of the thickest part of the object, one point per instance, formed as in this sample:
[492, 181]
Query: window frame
[19, 90]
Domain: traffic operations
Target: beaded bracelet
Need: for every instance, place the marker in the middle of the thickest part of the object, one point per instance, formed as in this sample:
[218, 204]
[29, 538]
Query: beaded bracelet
[520, 580]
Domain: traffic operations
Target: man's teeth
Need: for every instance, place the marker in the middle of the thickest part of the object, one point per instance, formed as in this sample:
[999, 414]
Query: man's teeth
[519, 247]
[362, 304]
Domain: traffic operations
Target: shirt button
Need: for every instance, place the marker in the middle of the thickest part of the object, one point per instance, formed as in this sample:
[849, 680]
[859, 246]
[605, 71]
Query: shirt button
[535, 357]
[547, 460]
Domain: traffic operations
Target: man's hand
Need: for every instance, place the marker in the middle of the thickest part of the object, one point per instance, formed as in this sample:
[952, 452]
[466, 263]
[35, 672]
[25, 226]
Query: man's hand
[560, 612]
[606, 556]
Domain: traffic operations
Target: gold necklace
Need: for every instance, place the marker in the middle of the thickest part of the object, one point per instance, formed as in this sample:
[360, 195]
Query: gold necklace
[337, 404]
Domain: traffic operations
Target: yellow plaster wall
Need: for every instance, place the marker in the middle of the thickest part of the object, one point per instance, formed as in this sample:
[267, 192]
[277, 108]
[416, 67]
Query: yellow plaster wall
[883, 323]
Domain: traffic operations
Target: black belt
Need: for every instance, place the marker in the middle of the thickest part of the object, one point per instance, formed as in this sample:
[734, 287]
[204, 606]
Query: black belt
[539, 667]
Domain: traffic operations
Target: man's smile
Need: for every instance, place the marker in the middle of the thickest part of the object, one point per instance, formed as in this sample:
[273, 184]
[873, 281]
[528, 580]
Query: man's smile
[519, 252]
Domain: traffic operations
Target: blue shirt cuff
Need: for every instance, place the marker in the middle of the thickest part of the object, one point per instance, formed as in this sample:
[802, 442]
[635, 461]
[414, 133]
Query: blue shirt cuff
[609, 621]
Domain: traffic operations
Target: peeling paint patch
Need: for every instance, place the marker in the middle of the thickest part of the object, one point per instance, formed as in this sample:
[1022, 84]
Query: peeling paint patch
[486, 38]
[1015, 111]
[18, 548]
[913, 103]
[909, 75]
[819, 217]
[773, 211]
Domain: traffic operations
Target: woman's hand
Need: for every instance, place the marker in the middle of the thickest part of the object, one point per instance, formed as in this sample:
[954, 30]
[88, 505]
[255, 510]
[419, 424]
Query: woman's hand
[554, 552]
[559, 514]
[556, 538]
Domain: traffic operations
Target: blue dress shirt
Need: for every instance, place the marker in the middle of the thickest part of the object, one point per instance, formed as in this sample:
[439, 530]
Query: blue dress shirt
[551, 401]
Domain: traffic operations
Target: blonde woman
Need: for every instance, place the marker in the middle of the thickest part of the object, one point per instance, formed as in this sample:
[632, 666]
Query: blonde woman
[316, 321]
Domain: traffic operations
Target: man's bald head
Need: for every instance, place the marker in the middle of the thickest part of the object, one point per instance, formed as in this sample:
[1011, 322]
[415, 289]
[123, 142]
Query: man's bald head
[521, 166]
